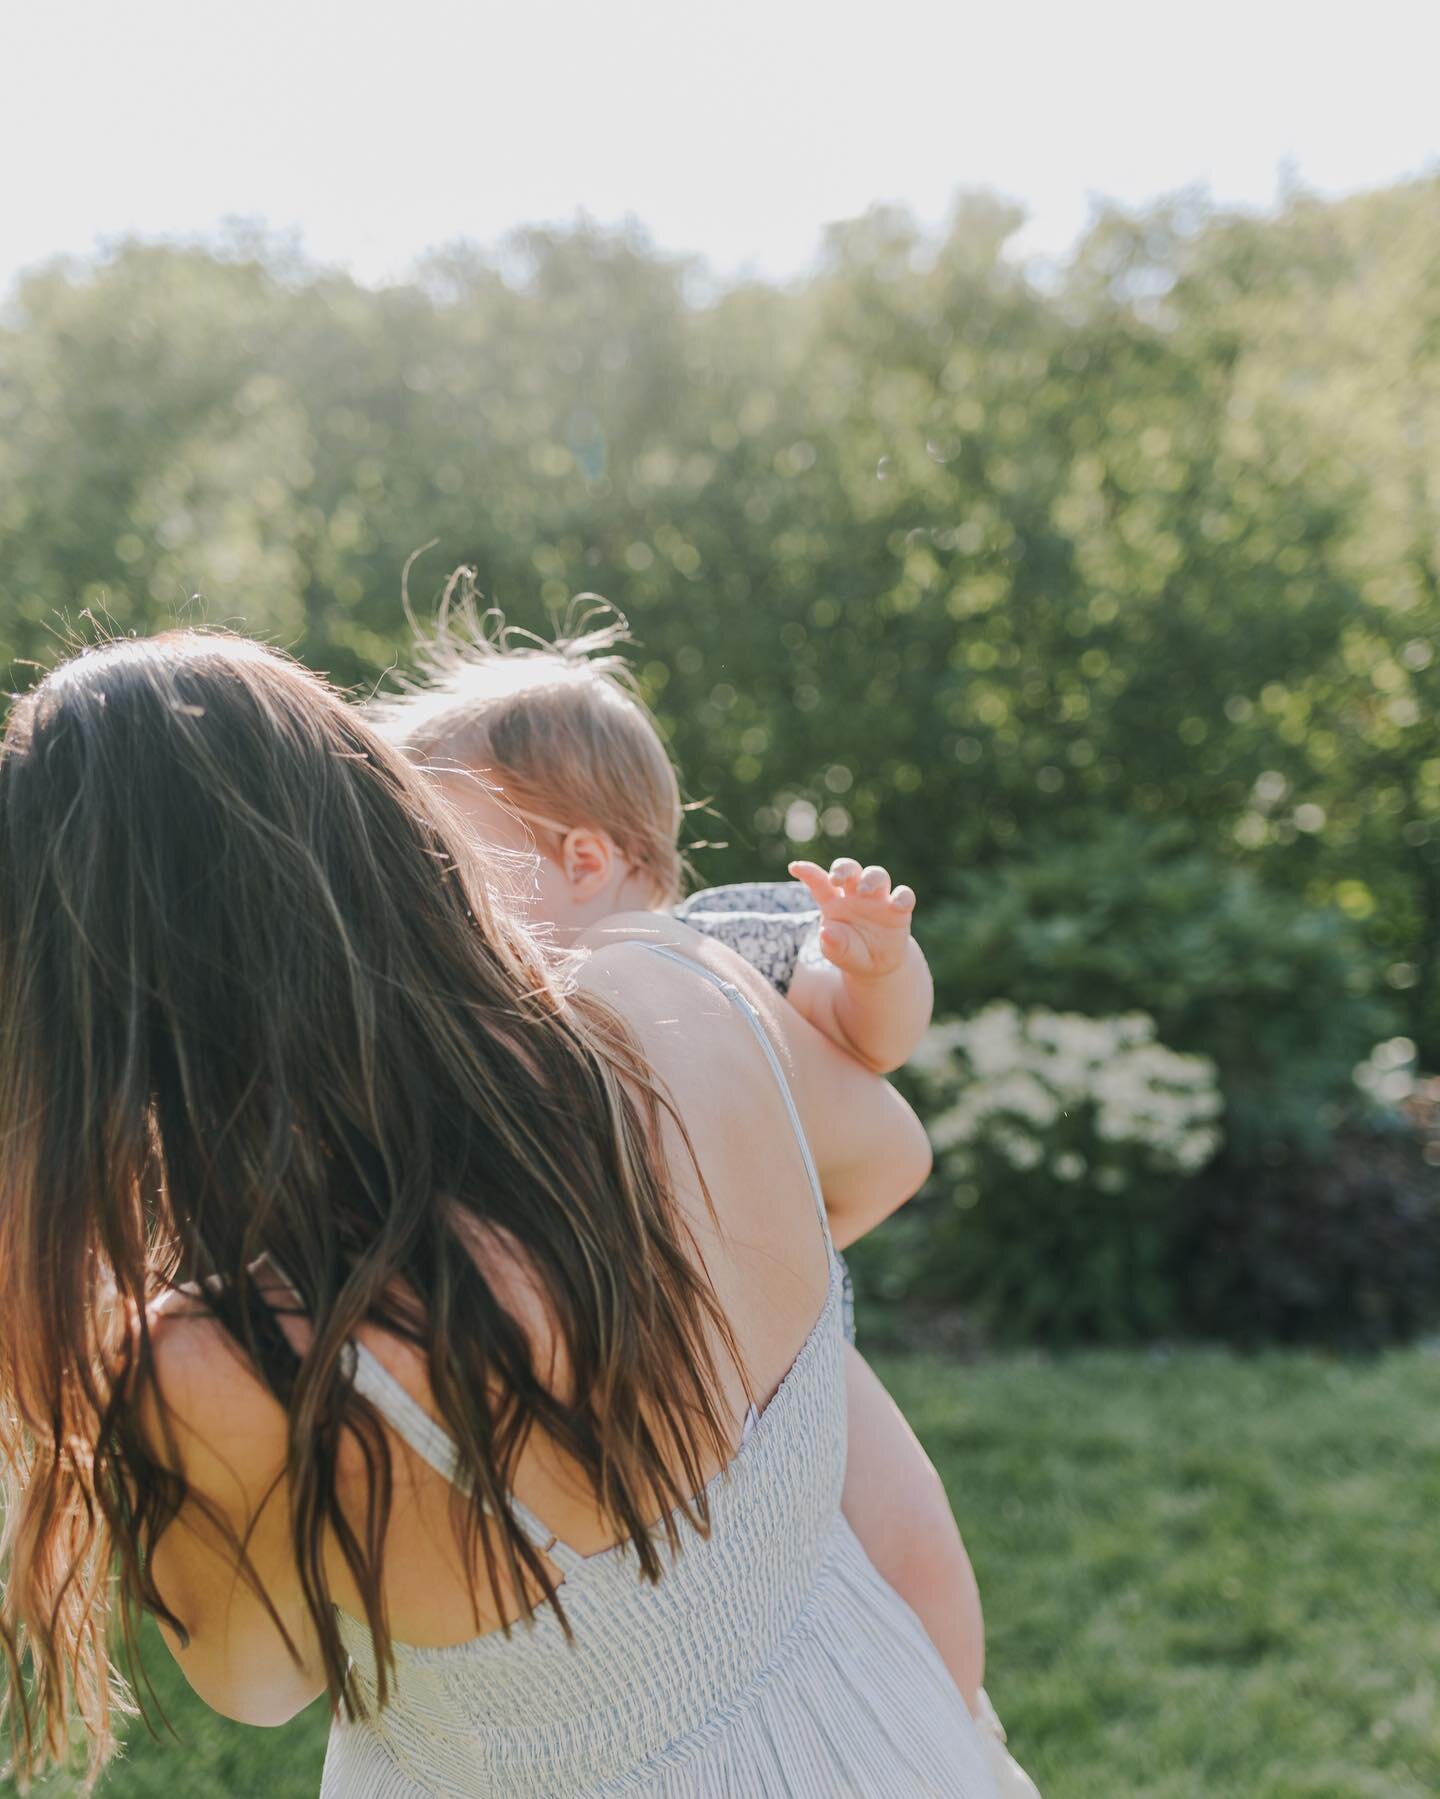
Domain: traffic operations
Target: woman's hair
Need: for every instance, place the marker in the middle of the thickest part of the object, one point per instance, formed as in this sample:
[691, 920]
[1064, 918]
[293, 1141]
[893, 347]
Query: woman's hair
[559, 726]
[254, 1002]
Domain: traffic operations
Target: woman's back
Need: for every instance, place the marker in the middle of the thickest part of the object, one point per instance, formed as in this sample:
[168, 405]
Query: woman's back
[769, 1657]
[764, 1250]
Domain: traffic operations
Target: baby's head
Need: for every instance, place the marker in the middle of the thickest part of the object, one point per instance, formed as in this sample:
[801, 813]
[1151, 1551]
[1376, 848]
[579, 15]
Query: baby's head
[547, 746]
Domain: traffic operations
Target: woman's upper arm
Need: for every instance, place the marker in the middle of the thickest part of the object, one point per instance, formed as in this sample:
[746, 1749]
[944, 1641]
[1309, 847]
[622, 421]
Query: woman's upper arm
[230, 1434]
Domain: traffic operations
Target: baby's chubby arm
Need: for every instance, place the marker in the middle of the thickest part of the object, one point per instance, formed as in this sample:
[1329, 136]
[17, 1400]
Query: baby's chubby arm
[871, 991]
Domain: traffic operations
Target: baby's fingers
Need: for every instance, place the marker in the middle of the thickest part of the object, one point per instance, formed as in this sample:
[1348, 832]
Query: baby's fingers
[845, 871]
[874, 883]
[903, 899]
[815, 879]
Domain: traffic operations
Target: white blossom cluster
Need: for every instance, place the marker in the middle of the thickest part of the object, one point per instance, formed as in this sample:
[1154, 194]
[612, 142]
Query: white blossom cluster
[1387, 1075]
[1009, 1078]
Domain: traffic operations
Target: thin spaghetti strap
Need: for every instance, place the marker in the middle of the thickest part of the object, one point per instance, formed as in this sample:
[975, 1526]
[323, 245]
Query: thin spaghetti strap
[762, 1037]
[414, 1425]
[406, 1416]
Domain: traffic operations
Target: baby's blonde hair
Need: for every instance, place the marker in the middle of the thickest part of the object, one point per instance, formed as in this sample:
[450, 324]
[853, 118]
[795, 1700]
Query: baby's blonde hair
[558, 725]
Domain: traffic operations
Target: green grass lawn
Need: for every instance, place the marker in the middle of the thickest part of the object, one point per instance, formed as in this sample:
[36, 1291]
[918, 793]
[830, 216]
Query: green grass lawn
[1202, 1576]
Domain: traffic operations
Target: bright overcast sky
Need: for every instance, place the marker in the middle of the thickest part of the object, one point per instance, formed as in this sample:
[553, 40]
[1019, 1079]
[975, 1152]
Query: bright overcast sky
[735, 128]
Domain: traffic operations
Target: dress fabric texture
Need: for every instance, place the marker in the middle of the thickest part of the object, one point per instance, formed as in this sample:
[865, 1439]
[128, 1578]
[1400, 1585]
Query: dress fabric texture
[770, 1659]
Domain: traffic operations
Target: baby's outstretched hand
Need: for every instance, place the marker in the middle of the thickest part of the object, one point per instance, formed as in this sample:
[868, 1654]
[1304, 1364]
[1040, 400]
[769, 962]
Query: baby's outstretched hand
[866, 925]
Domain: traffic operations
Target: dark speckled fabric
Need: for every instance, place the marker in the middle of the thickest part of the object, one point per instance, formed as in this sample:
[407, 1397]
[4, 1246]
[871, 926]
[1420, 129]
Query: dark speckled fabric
[770, 923]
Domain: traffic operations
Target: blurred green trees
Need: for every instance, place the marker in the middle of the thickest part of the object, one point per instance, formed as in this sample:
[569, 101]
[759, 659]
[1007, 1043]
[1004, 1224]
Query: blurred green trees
[924, 559]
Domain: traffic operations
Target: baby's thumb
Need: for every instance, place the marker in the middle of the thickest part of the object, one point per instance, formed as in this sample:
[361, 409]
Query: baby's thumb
[837, 941]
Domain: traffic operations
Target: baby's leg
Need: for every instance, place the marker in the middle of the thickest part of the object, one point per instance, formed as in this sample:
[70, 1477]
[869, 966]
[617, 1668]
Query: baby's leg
[895, 1504]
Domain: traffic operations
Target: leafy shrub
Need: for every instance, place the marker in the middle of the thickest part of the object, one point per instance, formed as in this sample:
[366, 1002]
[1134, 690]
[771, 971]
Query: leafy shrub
[1058, 1140]
[1281, 1002]
[1282, 998]
[1344, 1252]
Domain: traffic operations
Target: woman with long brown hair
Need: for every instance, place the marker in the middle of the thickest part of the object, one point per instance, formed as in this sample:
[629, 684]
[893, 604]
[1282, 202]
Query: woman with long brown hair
[345, 1236]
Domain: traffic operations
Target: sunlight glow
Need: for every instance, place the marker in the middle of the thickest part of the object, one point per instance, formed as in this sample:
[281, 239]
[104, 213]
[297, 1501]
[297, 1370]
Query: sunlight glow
[376, 131]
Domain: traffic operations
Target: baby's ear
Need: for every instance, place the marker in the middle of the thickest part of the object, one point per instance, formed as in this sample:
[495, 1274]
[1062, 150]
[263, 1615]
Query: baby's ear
[589, 858]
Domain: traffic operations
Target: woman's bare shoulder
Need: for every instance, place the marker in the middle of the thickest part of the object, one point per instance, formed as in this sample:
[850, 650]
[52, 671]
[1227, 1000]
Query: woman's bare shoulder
[637, 927]
[204, 1403]
[621, 976]
[687, 1029]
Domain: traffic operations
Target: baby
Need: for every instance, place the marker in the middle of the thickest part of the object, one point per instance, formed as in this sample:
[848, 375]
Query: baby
[546, 748]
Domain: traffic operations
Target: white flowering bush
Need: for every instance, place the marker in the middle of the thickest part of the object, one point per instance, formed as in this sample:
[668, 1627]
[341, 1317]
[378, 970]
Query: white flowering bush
[1387, 1077]
[1059, 1142]
[1012, 1077]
